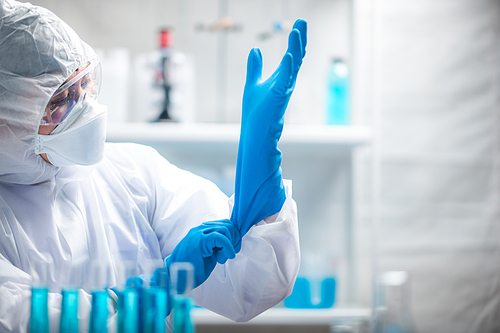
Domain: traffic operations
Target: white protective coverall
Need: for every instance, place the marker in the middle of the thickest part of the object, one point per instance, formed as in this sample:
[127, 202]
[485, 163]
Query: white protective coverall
[133, 206]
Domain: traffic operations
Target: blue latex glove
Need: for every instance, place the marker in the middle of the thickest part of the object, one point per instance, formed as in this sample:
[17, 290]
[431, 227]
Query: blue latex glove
[259, 191]
[206, 245]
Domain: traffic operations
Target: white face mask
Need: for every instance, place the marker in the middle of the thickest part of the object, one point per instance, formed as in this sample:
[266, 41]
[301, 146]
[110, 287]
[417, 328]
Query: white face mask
[79, 139]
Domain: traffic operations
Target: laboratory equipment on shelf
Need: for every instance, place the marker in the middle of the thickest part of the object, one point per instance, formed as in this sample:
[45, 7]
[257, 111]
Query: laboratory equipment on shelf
[392, 311]
[163, 75]
[315, 286]
[338, 93]
[312, 293]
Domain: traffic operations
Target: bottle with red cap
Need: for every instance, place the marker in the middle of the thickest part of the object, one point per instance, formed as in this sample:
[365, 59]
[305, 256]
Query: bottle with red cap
[163, 77]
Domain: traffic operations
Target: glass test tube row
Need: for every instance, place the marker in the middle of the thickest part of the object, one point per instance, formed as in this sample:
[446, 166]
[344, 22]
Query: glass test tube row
[142, 303]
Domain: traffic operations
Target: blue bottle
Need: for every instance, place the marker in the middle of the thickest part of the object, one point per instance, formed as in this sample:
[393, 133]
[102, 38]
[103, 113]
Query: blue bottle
[338, 94]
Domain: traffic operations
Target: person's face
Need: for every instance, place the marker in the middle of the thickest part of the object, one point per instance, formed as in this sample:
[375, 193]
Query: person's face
[60, 98]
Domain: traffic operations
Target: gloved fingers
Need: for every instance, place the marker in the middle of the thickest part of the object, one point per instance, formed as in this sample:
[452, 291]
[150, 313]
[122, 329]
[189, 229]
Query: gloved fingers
[285, 71]
[295, 49]
[301, 26]
[254, 66]
[225, 250]
[198, 263]
[136, 281]
[221, 256]
[227, 228]
[159, 278]
[220, 245]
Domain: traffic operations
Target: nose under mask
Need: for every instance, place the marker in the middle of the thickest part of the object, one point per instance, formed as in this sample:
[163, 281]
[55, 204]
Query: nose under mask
[79, 139]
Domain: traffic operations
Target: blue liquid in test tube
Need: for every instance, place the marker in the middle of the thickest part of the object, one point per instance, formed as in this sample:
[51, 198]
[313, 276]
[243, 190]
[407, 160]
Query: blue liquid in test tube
[39, 321]
[128, 311]
[99, 312]
[69, 311]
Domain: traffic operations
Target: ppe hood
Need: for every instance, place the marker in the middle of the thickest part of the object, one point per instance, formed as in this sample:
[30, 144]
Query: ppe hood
[38, 52]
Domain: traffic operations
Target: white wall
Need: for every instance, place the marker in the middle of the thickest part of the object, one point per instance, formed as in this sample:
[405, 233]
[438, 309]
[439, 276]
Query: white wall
[439, 106]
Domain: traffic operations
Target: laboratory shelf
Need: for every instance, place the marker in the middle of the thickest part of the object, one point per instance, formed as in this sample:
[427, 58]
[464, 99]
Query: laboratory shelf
[284, 316]
[294, 136]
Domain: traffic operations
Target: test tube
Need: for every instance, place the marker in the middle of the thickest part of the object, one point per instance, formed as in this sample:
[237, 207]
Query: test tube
[128, 311]
[69, 311]
[99, 312]
[128, 301]
[39, 320]
[100, 275]
[182, 277]
[154, 300]
[70, 277]
[155, 307]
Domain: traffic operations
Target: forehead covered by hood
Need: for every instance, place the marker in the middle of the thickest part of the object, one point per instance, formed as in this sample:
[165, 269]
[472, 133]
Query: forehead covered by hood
[38, 52]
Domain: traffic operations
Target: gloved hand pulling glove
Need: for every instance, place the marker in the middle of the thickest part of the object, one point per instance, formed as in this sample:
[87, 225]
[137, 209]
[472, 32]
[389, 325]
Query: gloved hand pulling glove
[206, 245]
[259, 191]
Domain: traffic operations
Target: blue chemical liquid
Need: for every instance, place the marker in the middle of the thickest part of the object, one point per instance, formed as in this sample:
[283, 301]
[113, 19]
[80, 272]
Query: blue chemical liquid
[183, 323]
[69, 311]
[312, 294]
[128, 311]
[99, 312]
[154, 307]
[39, 321]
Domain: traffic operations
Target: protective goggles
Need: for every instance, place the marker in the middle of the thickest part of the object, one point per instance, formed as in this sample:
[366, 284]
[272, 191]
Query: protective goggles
[85, 84]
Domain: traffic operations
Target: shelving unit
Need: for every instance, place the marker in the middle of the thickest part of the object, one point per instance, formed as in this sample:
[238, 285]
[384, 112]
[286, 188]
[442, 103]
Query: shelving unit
[281, 316]
[221, 136]
[219, 142]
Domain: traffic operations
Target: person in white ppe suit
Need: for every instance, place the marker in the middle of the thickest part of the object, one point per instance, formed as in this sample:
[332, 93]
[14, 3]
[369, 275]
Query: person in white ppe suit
[68, 199]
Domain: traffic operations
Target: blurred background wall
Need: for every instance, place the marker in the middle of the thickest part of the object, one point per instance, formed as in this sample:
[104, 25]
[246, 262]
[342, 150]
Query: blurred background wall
[426, 78]
[437, 103]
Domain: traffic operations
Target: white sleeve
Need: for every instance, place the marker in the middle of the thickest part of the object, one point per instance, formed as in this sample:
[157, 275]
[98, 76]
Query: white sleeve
[15, 293]
[263, 272]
